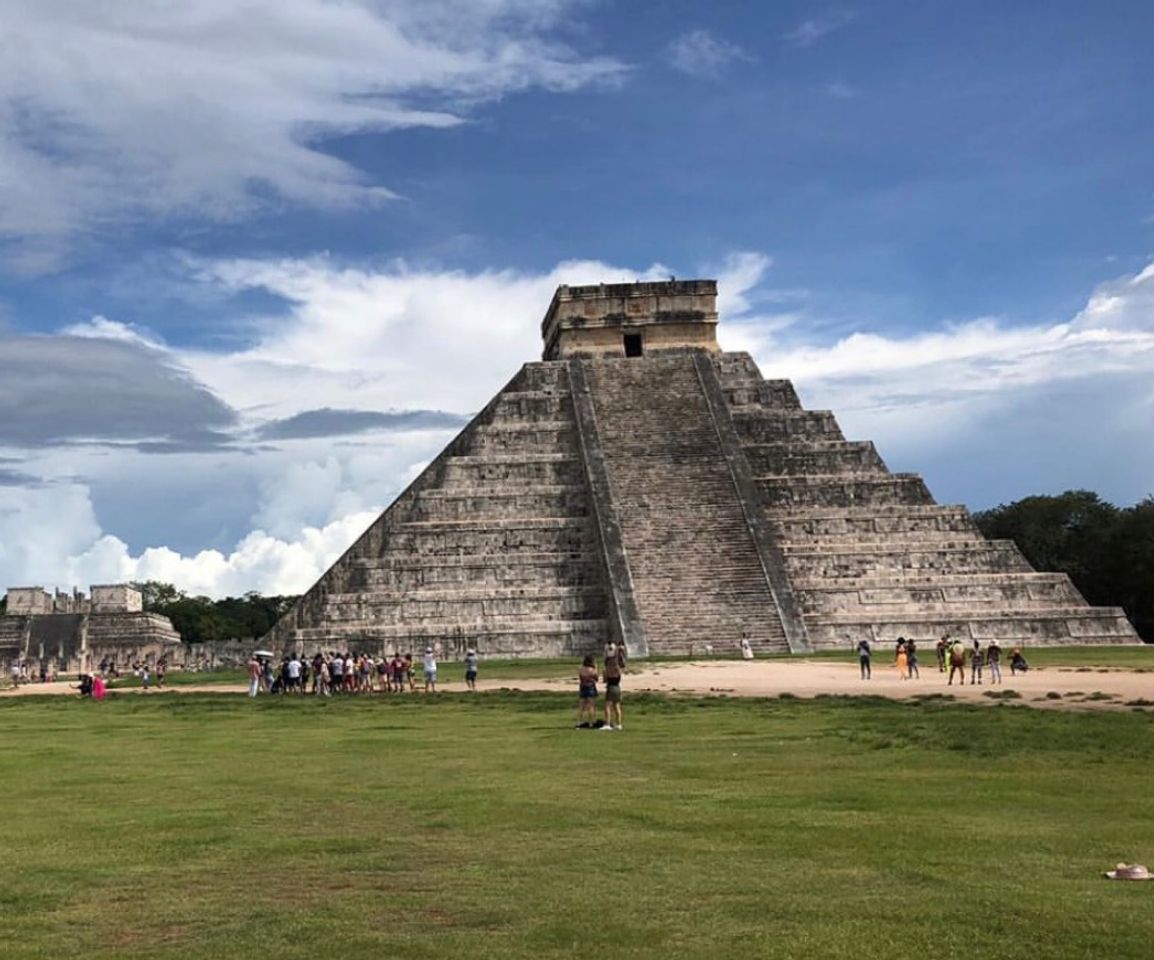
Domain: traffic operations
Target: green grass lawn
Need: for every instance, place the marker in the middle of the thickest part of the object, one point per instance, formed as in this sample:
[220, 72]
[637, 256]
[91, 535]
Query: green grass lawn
[219, 827]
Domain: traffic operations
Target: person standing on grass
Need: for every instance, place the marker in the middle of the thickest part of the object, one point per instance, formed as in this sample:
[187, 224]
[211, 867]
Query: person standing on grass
[293, 675]
[863, 656]
[942, 646]
[430, 665]
[471, 670]
[912, 658]
[994, 659]
[957, 663]
[976, 664]
[614, 667]
[586, 692]
[253, 676]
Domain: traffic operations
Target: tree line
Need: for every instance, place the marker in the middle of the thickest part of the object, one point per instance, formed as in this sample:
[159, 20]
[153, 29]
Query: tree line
[202, 620]
[1107, 551]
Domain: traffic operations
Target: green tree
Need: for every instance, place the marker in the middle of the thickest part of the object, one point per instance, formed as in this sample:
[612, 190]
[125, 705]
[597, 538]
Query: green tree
[1107, 552]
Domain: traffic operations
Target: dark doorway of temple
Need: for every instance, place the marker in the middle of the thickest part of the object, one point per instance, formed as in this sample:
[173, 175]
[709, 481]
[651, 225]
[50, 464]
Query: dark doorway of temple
[632, 344]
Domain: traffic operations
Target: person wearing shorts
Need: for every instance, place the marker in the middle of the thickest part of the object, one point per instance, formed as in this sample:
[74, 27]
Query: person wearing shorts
[430, 668]
[586, 692]
[471, 670]
[614, 664]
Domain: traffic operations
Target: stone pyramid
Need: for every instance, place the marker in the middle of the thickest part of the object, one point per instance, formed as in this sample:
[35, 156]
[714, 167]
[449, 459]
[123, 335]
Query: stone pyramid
[642, 486]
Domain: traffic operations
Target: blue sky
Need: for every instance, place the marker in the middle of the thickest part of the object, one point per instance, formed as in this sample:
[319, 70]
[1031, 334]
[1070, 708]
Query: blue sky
[257, 262]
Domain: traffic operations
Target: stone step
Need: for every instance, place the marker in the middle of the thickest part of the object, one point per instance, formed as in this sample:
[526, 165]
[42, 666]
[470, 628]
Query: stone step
[528, 570]
[505, 471]
[492, 639]
[759, 425]
[831, 458]
[1021, 594]
[891, 520]
[784, 493]
[1064, 625]
[463, 610]
[915, 579]
[470, 538]
[532, 405]
[962, 558]
[475, 503]
[525, 437]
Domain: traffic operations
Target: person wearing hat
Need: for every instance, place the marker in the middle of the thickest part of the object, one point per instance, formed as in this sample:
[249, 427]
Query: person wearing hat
[994, 661]
[430, 665]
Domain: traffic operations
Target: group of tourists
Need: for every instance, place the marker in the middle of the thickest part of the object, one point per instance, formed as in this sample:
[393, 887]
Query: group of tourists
[326, 674]
[587, 677]
[951, 652]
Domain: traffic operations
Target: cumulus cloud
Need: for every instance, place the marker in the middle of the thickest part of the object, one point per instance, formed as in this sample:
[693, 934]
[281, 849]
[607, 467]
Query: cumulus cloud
[810, 31]
[386, 338]
[111, 110]
[700, 54]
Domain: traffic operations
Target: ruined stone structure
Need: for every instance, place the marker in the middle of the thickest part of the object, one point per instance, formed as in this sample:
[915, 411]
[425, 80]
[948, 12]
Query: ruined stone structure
[640, 485]
[70, 633]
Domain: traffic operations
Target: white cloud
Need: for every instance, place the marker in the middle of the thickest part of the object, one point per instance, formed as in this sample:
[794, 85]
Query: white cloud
[114, 110]
[810, 31]
[700, 54]
[388, 338]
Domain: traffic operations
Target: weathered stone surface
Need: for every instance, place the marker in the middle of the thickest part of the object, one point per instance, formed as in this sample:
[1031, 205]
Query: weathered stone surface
[670, 501]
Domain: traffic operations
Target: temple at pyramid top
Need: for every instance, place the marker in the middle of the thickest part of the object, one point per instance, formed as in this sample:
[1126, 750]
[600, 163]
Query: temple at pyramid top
[631, 319]
[639, 485]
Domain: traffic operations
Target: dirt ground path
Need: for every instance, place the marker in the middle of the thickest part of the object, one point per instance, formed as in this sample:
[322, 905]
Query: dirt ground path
[1077, 688]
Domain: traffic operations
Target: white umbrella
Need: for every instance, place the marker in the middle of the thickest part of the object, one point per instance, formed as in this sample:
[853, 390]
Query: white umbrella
[263, 653]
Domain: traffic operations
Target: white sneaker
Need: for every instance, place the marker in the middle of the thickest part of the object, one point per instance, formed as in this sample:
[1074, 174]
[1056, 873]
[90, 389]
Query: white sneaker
[607, 727]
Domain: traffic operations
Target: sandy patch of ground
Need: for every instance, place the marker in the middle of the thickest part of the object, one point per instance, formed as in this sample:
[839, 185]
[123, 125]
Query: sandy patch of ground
[802, 678]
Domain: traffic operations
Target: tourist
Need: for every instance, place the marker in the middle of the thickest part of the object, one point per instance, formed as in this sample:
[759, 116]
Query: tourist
[383, 680]
[85, 685]
[306, 670]
[430, 665]
[614, 666]
[586, 692]
[253, 676]
[99, 687]
[863, 656]
[994, 660]
[293, 674]
[337, 673]
[471, 670]
[976, 660]
[400, 666]
[957, 654]
[1018, 662]
[266, 675]
[145, 677]
[942, 645]
[902, 659]
[324, 681]
[161, 670]
[746, 649]
[912, 658]
[409, 671]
